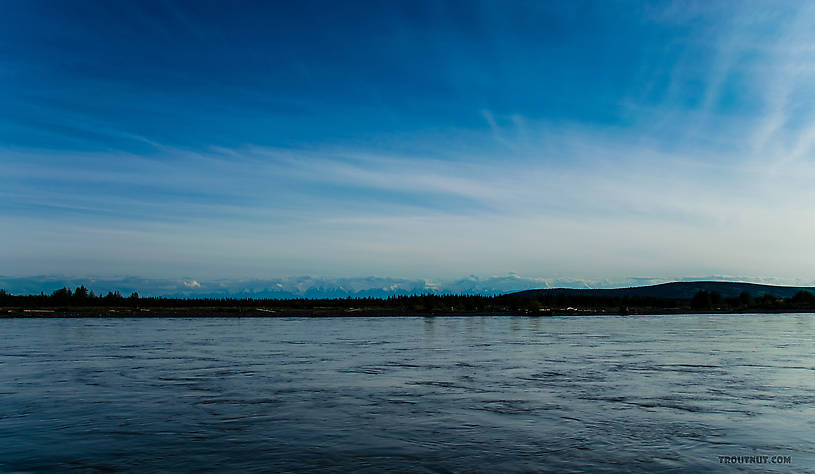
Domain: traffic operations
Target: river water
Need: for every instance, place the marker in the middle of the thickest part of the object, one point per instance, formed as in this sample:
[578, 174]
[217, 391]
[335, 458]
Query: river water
[448, 394]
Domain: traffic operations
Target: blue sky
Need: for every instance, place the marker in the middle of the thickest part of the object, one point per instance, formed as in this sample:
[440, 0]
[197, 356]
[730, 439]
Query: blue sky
[587, 141]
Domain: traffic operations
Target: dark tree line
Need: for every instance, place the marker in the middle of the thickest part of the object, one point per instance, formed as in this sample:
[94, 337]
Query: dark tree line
[423, 303]
[711, 300]
[81, 296]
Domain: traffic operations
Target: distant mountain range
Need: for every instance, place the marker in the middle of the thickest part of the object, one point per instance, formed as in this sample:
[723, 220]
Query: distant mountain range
[678, 290]
[313, 287]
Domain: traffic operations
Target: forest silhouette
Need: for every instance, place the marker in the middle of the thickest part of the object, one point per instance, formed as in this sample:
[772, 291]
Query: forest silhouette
[539, 302]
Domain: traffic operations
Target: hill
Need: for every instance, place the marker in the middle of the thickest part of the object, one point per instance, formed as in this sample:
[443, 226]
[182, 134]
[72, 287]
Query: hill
[683, 290]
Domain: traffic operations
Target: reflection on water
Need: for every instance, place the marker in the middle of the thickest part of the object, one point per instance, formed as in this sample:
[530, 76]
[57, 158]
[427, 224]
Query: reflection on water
[423, 394]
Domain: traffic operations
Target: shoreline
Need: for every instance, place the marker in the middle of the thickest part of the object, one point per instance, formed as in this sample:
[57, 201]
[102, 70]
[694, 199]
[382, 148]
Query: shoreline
[203, 312]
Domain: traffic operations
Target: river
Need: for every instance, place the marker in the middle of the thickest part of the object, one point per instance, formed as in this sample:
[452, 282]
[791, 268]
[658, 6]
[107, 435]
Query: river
[680, 393]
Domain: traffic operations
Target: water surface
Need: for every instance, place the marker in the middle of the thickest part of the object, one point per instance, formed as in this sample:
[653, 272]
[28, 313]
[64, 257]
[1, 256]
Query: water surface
[580, 394]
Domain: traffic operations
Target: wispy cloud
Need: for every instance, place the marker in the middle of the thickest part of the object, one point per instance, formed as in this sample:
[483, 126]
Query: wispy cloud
[681, 144]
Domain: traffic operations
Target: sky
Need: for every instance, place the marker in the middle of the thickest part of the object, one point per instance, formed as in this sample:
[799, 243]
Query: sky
[594, 142]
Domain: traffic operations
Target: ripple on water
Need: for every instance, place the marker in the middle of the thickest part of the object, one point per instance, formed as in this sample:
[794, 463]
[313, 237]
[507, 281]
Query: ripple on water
[589, 394]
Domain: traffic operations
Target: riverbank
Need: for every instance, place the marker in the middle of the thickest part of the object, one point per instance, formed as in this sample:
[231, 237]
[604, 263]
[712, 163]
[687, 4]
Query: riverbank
[318, 312]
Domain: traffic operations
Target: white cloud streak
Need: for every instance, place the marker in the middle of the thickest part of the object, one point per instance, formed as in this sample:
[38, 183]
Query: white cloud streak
[681, 190]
